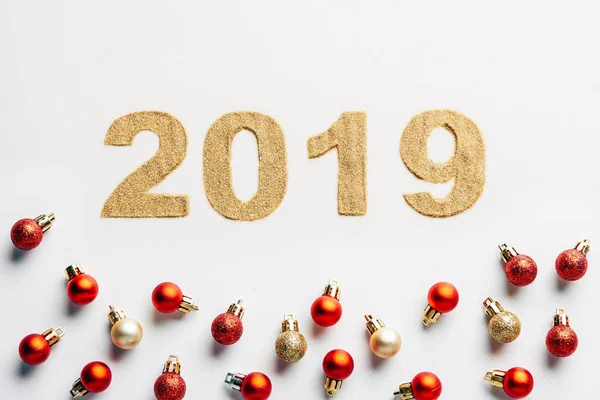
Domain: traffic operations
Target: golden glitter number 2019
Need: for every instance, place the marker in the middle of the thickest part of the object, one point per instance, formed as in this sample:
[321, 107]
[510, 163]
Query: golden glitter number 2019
[347, 135]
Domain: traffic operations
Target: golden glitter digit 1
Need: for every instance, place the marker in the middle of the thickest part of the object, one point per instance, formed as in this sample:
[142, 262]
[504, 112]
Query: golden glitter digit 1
[272, 166]
[348, 135]
[466, 167]
[131, 198]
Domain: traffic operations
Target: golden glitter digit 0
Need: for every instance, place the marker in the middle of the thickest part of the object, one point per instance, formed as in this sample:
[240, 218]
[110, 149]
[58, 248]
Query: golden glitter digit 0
[272, 166]
[131, 198]
[348, 135]
[466, 167]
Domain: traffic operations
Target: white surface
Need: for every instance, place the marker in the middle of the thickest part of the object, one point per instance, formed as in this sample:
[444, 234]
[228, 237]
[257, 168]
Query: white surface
[525, 72]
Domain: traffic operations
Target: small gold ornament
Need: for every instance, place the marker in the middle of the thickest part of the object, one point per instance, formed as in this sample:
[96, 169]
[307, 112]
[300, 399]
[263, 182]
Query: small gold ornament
[504, 327]
[385, 342]
[291, 345]
[126, 333]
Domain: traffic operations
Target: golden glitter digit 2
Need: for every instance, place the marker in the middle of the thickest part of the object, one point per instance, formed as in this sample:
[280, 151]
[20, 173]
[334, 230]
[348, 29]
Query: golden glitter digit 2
[466, 167]
[131, 198]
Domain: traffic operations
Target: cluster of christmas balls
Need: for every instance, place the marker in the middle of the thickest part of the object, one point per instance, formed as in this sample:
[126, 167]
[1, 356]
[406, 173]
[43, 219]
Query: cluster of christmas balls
[291, 346]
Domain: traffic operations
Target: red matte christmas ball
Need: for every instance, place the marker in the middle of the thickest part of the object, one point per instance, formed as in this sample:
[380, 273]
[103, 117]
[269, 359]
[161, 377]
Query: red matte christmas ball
[34, 349]
[96, 377]
[426, 386]
[443, 297]
[166, 297]
[518, 383]
[256, 386]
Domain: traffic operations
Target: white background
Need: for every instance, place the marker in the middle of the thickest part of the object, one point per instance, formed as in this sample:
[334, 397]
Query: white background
[525, 72]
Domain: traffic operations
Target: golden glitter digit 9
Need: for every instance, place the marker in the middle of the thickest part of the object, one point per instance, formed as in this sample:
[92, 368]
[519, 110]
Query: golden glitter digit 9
[466, 167]
[272, 166]
[348, 135]
[131, 198]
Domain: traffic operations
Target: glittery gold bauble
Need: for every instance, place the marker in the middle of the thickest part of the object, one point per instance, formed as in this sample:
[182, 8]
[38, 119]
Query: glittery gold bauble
[505, 327]
[291, 346]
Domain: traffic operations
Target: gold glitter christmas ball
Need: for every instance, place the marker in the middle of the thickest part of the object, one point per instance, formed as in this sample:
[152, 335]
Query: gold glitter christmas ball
[505, 327]
[291, 346]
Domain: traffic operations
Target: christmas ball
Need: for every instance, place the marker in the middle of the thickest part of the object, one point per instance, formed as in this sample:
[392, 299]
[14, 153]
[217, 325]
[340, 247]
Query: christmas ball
[126, 333]
[82, 289]
[227, 329]
[385, 342]
[96, 377]
[26, 234]
[443, 297]
[426, 386]
[166, 297]
[518, 383]
[34, 349]
[338, 365]
[521, 270]
[256, 386]
[169, 386]
[291, 346]
[326, 311]
[505, 327]
[562, 341]
[571, 265]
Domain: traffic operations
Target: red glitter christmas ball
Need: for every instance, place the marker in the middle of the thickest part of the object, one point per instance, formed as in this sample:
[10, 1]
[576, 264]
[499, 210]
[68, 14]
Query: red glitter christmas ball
[227, 329]
[571, 265]
[82, 289]
[166, 297]
[562, 341]
[326, 311]
[169, 386]
[518, 383]
[521, 270]
[96, 377]
[34, 349]
[256, 386]
[338, 365]
[426, 386]
[443, 297]
[26, 234]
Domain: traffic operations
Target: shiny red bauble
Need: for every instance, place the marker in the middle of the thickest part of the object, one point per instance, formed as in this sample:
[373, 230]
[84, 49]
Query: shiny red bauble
[256, 386]
[166, 297]
[227, 329]
[571, 265]
[326, 311]
[443, 297]
[96, 377]
[562, 341]
[169, 386]
[34, 349]
[26, 234]
[338, 364]
[426, 386]
[518, 383]
[82, 289]
[521, 270]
